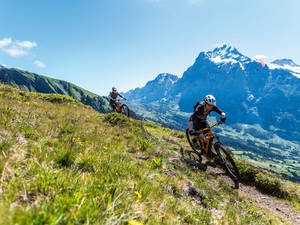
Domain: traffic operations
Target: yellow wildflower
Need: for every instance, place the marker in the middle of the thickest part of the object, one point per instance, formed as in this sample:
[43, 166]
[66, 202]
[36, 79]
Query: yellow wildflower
[138, 194]
[105, 148]
[133, 222]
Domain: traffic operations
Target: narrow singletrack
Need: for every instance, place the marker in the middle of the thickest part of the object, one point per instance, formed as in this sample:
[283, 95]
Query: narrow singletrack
[279, 207]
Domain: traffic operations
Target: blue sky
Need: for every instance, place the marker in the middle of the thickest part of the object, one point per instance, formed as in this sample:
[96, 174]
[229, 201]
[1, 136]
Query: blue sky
[98, 44]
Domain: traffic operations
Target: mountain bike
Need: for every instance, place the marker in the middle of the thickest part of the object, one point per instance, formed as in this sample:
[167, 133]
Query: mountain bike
[122, 108]
[201, 143]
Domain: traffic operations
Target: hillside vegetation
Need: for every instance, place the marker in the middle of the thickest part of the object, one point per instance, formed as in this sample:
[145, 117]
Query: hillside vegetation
[61, 162]
[33, 82]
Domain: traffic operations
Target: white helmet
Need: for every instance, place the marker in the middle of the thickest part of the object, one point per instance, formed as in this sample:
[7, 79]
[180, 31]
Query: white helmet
[210, 99]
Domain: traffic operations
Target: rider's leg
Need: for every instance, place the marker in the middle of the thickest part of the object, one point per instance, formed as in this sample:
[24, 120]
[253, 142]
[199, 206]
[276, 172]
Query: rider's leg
[192, 124]
[113, 105]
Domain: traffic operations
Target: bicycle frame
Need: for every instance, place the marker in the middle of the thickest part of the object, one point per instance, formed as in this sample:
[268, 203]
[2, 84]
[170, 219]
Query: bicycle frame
[118, 106]
[209, 135]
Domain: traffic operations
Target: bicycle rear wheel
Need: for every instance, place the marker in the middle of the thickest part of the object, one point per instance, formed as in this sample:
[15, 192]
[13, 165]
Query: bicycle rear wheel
[125, 110]
[227, 162]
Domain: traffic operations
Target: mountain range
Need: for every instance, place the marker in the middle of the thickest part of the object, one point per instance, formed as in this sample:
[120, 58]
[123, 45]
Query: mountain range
[248, 92]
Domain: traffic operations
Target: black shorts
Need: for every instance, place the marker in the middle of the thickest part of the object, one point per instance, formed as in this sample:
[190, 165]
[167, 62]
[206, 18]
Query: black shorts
[113, 104]
[198, 124]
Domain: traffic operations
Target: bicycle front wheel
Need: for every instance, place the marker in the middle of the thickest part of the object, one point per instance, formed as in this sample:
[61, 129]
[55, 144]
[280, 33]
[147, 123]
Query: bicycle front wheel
[227, 162]
[125, 110]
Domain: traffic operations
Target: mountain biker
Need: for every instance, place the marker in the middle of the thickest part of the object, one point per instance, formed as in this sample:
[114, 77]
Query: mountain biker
[198, 119]
[113, 98]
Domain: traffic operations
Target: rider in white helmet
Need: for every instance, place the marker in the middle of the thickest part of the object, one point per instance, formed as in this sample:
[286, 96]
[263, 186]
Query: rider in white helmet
[113, 98]
[198, 119]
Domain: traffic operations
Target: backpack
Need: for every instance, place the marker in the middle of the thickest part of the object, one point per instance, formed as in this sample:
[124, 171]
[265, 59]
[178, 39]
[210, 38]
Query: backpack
[195, 106]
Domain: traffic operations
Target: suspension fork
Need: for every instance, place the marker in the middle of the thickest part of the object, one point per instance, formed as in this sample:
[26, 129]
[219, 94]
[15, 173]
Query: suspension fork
[218, 143]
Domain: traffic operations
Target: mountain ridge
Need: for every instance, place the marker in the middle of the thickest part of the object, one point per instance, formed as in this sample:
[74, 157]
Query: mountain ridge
[28, 81]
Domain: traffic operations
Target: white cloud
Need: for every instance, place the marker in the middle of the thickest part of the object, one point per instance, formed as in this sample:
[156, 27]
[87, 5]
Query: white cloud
[15, 51]
[39, 64]
[260, 57]
[16, 48]
[4, 42]
[26, 44]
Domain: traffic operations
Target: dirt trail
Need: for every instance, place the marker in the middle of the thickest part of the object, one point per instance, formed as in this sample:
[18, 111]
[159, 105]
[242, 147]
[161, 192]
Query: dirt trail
[277, 206]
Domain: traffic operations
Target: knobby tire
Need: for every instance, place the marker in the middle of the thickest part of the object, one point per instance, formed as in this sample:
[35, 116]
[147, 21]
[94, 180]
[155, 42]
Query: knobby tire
[227, 162]
[125, 110]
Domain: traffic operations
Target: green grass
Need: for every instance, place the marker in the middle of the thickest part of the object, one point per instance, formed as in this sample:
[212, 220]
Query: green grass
[64, 163]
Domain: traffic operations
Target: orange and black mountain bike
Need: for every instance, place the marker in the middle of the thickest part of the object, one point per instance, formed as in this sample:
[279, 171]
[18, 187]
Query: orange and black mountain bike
[202, 143]
[122, 108]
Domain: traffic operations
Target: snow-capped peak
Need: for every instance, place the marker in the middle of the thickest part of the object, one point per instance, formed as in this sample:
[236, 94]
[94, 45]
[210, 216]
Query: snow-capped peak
[2, 66]
[286, 64]
[224, 47]
[226, 53]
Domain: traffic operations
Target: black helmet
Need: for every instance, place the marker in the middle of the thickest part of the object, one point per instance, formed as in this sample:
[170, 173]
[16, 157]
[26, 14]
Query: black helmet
[114, 89]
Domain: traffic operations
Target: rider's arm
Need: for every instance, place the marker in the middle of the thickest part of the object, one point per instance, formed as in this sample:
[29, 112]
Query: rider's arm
[121, 96]
[221, 112]
[217, 110]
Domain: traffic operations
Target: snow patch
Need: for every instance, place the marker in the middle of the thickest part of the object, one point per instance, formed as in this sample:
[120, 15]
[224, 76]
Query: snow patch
[173, 81]
[242, 66]
[233, 55]
[296, 75]
[295, 69]
[250, 97]
[219, 60]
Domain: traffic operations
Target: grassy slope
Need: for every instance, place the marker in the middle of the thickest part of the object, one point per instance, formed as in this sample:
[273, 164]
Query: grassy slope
[63, 163]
